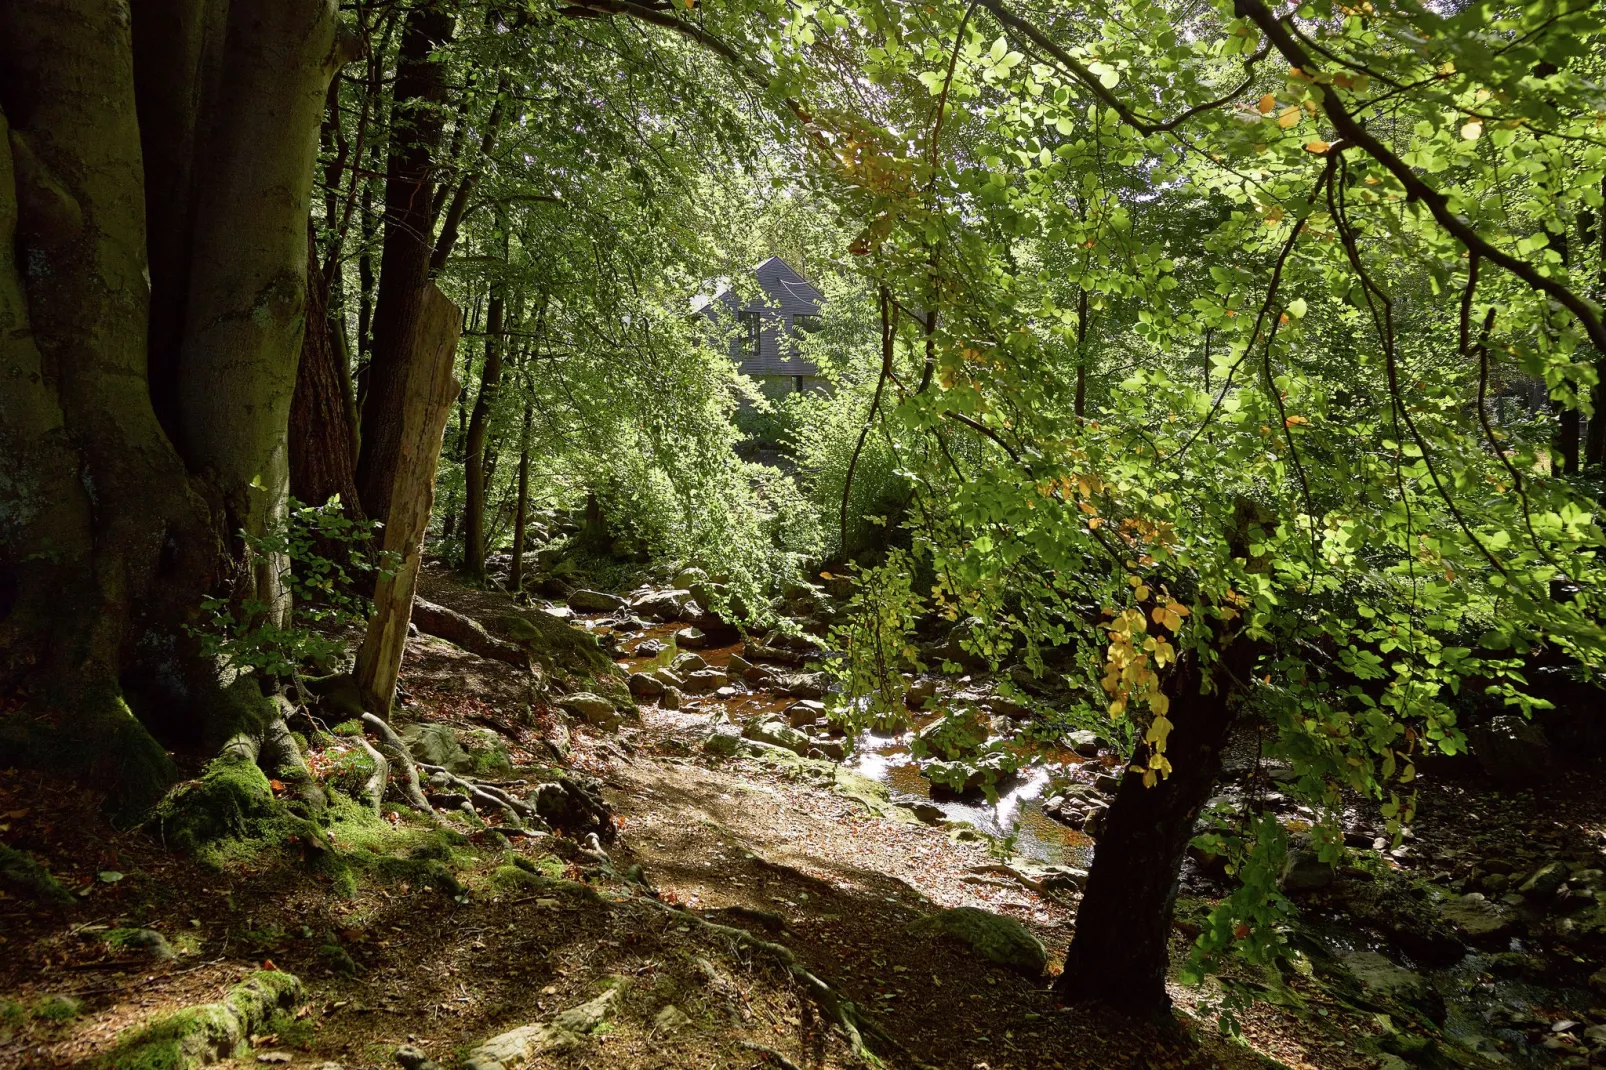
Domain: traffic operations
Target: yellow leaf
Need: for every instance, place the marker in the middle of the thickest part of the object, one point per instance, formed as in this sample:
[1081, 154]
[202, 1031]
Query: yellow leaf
[1473, 130]
[1094, 521]
[1159, 729]
[1294, 421]
[1141, 593]
[1288, 118]
[1267, 103]
[1318, 146]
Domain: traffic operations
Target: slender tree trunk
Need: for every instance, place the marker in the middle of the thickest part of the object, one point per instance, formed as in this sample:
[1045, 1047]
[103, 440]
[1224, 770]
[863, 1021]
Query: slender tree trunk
[474, 463]
[521, 510]
[246, 312]
[322, 462]
[404, 264]
[1120, 952]
[1079, 405]
[426, 401]
[452, 221]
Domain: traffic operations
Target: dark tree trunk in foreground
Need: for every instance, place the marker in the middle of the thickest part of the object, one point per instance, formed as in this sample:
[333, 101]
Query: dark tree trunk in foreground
[475, 468]
[95, 592]
[1120, 951]
[416, 118]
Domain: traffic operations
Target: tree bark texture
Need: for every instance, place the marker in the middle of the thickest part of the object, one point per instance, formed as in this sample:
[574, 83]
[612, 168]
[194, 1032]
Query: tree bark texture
[67, 90]
[425, 403]
[321, 459]
[522, 508]
[416, 118]
[474, 463]
[246, 310]
[1120, 952]
[178, 51]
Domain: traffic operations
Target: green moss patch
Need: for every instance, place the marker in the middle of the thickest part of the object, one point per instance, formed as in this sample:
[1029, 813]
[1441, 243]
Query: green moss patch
[23, 876]
[205, 1034]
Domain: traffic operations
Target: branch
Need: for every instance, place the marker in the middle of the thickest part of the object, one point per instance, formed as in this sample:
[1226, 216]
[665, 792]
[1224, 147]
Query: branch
[1144, 125]
[1352, 129]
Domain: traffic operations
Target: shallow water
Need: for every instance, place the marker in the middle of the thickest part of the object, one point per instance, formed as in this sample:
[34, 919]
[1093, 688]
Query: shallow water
[1018, 811]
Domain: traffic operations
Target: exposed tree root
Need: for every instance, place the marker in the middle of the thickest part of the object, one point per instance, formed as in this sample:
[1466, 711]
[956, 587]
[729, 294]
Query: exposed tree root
[518, 811]
[836, 1008]
[393, 747]
[466, 632]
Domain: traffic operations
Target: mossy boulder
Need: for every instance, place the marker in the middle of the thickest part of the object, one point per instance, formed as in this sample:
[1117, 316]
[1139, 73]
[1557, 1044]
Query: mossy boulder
[437, 744]
[22, 875]
[571, 656]
[232, 803]
[992, 936]
[197, 1036]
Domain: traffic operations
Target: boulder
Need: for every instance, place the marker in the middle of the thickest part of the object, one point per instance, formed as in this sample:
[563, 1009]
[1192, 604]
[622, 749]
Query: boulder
[777, 733]
[992, 936]
[690, 577]
[669, 678]
[643, 686]
[1545, 882]
[1083, 742]
[834, 749]
[686, 663]
[585, 601]
[1304, 871]
[436, 744]
[705, 680]
[668, 605]
[805, 684]
[738, 665]
[1478, 919]
[807, 711]
[591, 708]
[1512, 749]
[1381, 979]
[920, 691]
[672, 698]
[725, 740]
[691, 638]
[650, 648]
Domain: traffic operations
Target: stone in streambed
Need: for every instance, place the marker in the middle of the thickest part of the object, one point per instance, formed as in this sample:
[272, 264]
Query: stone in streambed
[777, 733]
[643, 686]
[584, 601]
[688, 663]
[705, 680]
[592, 708]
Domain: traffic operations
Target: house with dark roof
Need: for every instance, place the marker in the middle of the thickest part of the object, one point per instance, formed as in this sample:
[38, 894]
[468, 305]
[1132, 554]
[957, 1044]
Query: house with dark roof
[769, 327]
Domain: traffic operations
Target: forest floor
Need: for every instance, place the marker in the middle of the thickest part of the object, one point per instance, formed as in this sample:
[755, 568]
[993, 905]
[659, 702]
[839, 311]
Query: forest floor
[801, 858]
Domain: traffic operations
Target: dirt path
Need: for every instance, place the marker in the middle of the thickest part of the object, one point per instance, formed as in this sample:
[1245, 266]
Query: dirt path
[448, 938]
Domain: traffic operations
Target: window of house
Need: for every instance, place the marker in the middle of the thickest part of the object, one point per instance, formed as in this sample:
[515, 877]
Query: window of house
[807, 322]
[748, 321]
[798, 381]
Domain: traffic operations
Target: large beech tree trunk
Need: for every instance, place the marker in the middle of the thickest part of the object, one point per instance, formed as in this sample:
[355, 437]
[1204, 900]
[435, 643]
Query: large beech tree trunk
[106, 541]
[475, 475]
[246, 310]
[416, 125]
[1120, 952]
[426, 400]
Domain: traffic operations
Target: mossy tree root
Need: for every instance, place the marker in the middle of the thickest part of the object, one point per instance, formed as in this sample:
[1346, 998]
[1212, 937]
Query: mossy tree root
[396, 750]
[517, 810]
[835, 1007]
[198, 1036]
